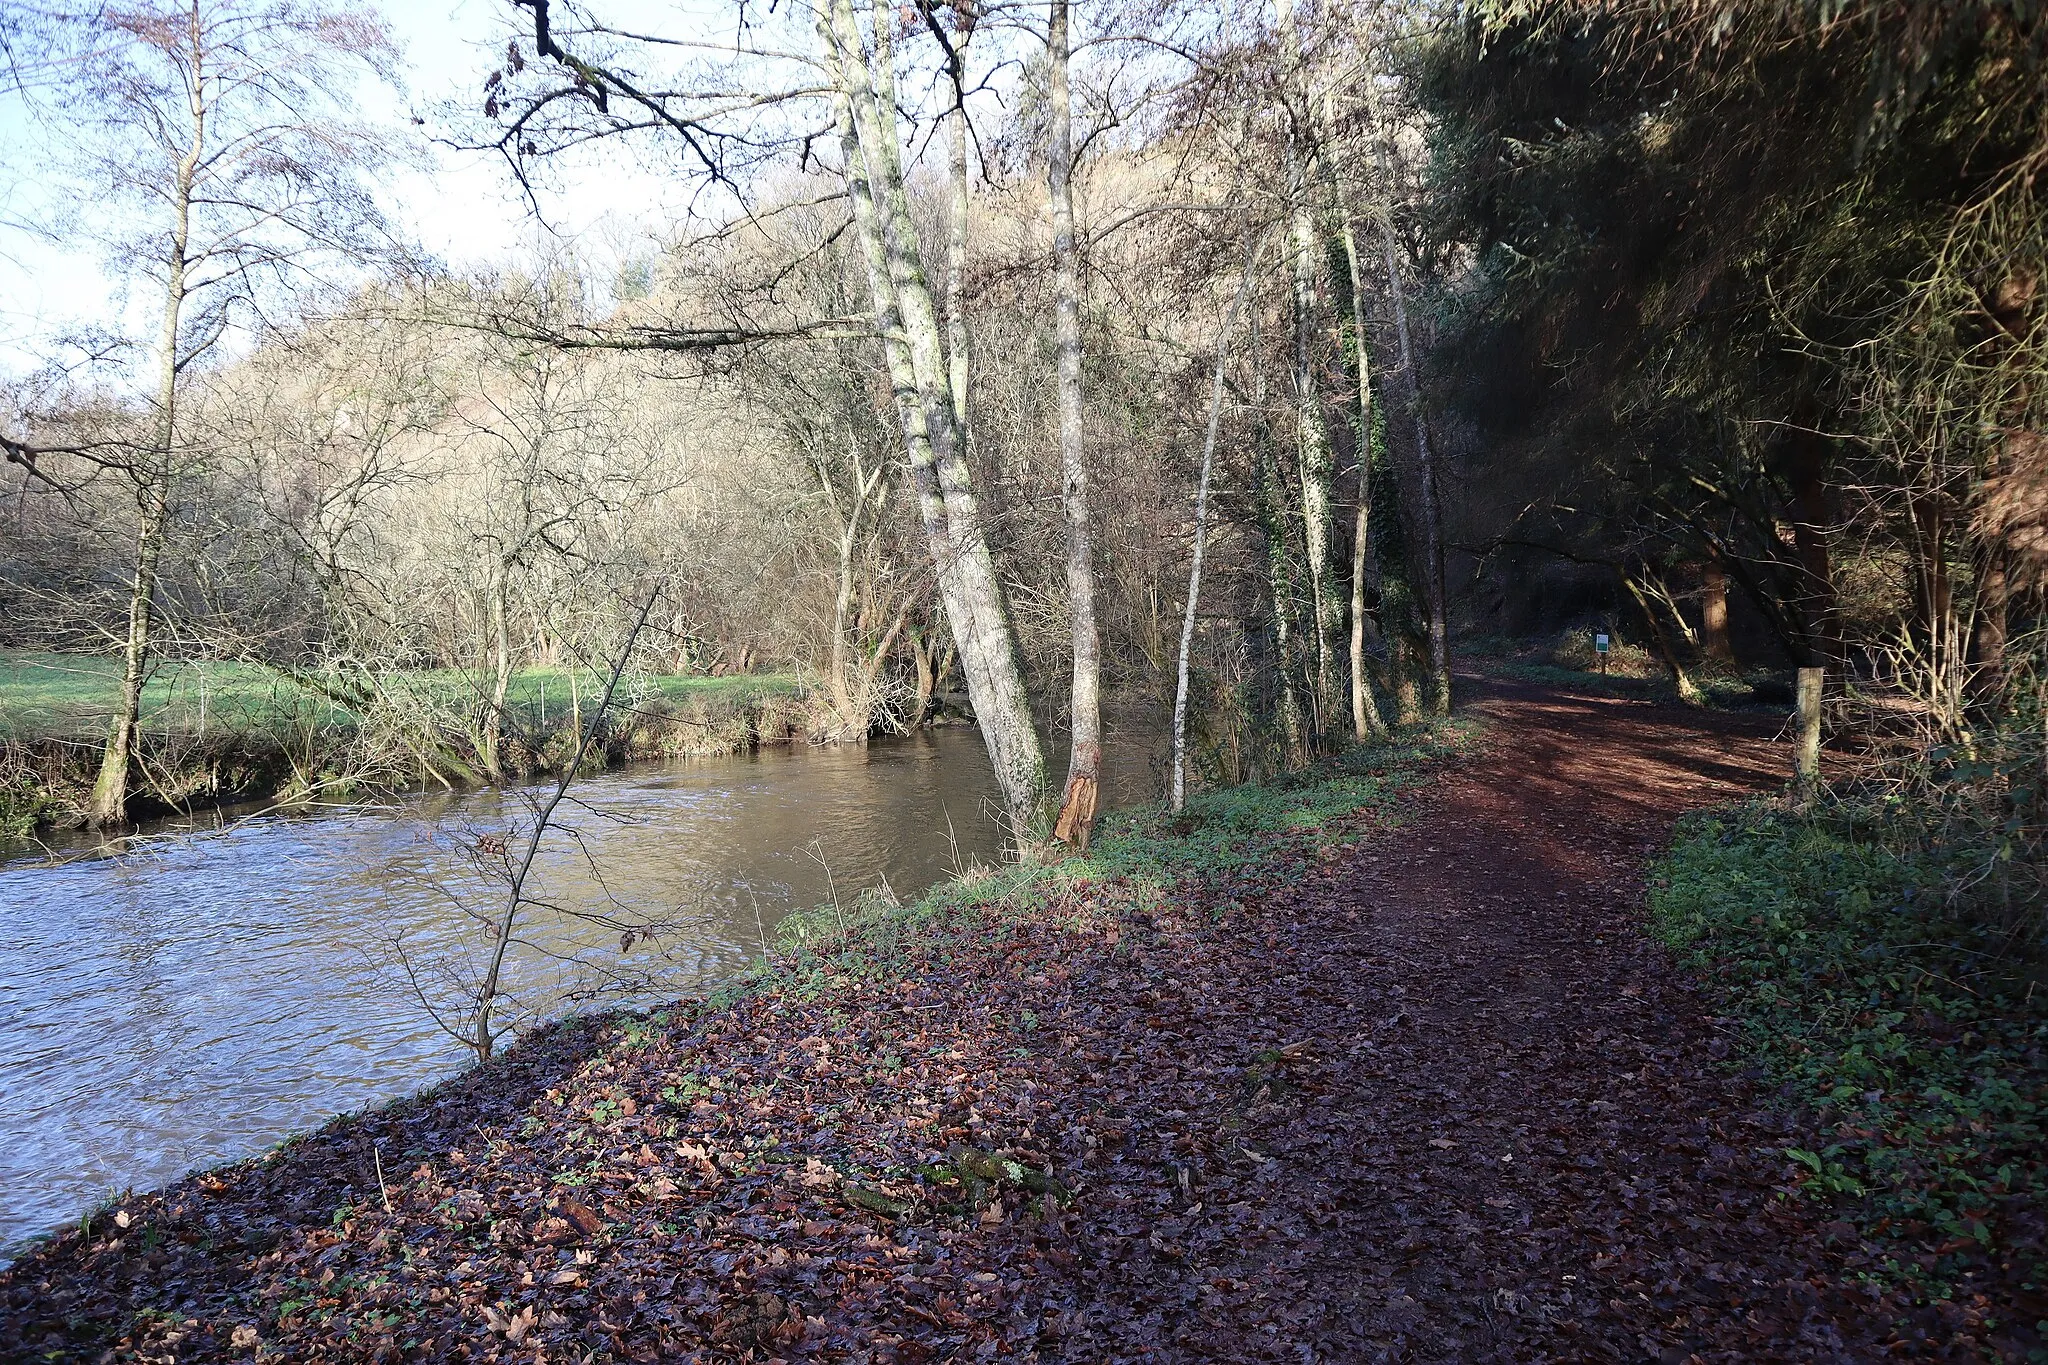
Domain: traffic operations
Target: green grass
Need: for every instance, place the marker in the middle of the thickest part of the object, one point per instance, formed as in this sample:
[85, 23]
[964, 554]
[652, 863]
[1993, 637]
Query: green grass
[1262, 830]
[71, 696]
[1915, 1039]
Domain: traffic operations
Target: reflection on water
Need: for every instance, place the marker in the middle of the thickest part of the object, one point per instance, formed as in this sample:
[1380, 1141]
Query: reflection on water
[198, 1000]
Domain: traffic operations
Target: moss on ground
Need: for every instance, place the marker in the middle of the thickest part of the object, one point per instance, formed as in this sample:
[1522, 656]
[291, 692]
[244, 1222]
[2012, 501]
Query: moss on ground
[1917, 1039]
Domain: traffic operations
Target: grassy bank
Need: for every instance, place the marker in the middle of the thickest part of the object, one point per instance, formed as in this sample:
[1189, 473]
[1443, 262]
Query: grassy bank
[72, 696]
[862, 1138]
[1913, 1040]
[223, 731]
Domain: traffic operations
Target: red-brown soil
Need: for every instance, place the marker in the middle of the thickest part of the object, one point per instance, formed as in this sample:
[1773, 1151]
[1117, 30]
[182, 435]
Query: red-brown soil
[1429, 1094]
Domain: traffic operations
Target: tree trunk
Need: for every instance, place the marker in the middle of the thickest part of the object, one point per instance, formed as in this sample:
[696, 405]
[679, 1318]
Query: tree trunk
[1311, 434]
[152, 478]
[908, 325]
[109, 803]
[1811, 524]
[957, 355]
[501, 673]
[1400, 616]
[1366, 720]
[1714, 611]
[1084, 764]
[1280, 587]
[1806, 753]
[853, 706]
[842, 699]
[1680, 680]
[1187, 626]
[1432, 530]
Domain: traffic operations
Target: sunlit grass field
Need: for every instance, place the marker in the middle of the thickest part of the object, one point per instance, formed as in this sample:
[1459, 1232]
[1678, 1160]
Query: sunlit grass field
[71, 696]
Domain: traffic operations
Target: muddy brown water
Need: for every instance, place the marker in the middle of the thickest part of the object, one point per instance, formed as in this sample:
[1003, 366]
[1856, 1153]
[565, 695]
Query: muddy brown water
[204, 994]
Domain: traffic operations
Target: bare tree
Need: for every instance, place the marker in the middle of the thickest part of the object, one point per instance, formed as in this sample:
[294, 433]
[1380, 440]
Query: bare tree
[760, 102]
[224, 127]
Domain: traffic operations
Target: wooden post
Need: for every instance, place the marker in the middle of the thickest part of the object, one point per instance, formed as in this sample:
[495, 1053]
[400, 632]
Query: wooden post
[1806, 758]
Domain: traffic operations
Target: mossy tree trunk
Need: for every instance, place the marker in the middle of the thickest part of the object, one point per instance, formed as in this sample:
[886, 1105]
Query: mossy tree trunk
[906, 320]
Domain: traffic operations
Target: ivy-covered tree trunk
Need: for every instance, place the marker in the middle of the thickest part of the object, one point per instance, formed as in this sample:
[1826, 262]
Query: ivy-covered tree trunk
[1425, 462]
[1313, 456]
[1280, 588]
[1355, 341]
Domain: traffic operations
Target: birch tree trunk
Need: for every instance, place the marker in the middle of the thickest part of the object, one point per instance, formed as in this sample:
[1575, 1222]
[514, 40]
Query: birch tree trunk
[852, 686]
[1187, 625]
[1084, 763]
[152, 478]
[906, 321]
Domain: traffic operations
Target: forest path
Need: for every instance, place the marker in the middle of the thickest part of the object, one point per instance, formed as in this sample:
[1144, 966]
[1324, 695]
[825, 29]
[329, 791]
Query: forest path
[1514, 1141]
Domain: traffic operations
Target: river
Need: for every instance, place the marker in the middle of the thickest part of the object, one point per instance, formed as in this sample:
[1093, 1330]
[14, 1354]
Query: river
[208, 992]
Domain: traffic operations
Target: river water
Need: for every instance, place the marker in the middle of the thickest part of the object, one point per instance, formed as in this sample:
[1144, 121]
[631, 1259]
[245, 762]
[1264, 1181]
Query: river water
[204, 994]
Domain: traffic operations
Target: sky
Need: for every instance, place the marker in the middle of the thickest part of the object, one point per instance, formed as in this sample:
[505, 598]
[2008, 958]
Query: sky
[461, 207]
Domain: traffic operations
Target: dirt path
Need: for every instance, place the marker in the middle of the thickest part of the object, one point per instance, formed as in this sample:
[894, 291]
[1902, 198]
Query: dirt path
[1426, 1094]
[1512, 1141]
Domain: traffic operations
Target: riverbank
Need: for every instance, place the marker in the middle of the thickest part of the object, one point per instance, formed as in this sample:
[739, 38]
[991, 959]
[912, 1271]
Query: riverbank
[1381, 1063]
[222, 734]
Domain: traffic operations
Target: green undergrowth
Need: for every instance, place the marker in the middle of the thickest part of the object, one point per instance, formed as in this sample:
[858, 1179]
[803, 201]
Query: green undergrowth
[1726, 691]
[1916, 1040]
[1139, 855]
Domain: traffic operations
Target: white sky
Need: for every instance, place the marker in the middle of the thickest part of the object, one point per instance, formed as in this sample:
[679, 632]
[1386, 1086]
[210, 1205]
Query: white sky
[463, 210]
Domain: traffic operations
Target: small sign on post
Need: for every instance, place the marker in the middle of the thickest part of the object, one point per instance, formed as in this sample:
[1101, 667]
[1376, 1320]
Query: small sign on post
[1600, 648]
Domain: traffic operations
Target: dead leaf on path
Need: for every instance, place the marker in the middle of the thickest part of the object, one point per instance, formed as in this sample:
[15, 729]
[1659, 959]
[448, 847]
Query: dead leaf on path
[513, 1327]
[587, 1222]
